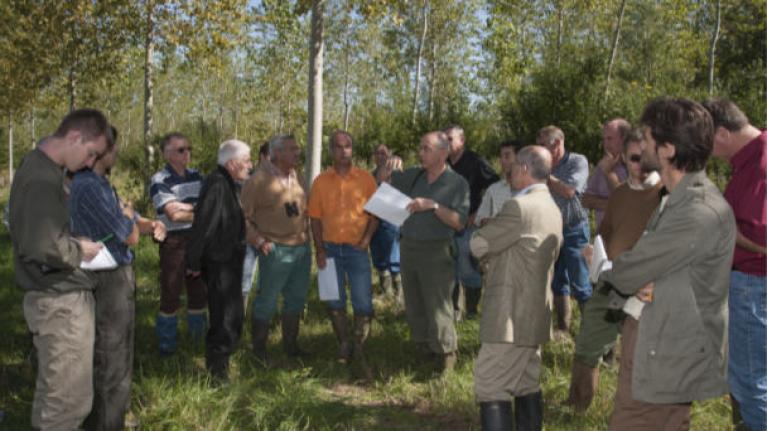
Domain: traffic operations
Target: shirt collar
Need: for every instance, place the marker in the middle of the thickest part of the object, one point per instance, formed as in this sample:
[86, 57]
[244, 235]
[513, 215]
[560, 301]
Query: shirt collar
[532, 187]
[748, 153]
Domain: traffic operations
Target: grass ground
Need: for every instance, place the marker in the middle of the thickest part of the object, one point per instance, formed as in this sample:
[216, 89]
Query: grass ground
[317, 394]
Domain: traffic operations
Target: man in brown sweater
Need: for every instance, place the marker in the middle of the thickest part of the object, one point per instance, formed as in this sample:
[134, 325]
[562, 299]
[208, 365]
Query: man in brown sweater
[629, 207]
[274, 204]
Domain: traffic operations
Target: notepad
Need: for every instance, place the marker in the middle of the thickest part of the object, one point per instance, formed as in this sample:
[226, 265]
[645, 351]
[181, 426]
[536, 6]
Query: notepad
[103, 261]
[389, 204]
[327, 279]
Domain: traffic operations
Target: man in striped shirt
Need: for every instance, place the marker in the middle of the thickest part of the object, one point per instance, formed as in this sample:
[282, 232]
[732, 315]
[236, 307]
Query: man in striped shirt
[174, 192]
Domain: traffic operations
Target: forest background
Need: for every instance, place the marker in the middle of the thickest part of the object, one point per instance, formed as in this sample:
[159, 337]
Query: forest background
[387, 71]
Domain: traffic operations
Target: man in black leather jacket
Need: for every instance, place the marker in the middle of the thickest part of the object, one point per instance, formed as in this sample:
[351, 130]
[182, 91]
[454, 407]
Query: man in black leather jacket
[216, 251]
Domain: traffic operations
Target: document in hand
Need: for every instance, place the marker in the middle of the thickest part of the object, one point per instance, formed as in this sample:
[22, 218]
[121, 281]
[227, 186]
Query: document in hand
[103, 261]
[599, 261]
[327, 279]
[389, 204]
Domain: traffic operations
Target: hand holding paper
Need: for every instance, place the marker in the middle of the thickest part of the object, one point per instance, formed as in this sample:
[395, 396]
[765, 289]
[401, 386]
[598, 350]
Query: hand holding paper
[389, 204]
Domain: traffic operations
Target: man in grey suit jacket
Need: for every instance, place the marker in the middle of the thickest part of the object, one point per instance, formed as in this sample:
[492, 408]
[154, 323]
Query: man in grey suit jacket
[517, 248]
[674, 349]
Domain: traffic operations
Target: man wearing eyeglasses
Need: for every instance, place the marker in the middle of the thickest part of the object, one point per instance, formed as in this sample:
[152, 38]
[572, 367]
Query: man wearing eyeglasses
[567, 183]
[174, 191]
[274, 204]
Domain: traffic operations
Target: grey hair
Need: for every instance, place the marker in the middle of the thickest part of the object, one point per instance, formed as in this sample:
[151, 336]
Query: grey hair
[442, 142]
[538, 161]
[549, 134]
[635, 136]
[278, 143]
[232, 149]
[458, 129]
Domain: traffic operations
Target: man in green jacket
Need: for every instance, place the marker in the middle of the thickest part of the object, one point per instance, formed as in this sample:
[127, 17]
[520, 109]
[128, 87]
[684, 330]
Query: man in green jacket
[675, 351]
[58, 304]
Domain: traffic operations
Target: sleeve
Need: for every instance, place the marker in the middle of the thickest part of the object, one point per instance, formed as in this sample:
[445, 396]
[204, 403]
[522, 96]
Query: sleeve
[501, 232]
[160, 193]
[207, 214]
[314, 206]
[97, 207]
[48, 240]
[577, 173]
[460, 201]
[660, 252]
[485, 207]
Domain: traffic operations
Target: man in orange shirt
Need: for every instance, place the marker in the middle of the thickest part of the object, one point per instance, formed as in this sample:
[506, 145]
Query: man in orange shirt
[342, 231]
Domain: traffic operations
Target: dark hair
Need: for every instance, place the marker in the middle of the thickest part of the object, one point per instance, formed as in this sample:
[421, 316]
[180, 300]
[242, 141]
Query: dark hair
[511, 143]
[169, 137]
[263, 150]
[684, 124]
[726, 114]
[111, 138]
[91, 124]
[342, 133]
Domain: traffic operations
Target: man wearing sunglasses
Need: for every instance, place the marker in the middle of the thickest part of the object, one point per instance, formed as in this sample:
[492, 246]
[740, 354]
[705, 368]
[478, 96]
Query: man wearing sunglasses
[626, 214]
[174, 192]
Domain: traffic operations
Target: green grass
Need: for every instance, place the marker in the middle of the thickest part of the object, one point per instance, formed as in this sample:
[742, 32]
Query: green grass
[317, 394]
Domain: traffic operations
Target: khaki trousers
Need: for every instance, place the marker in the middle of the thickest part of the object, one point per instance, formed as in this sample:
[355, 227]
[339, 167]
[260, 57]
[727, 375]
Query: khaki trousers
[506, 370]
[63, 331]
[632, 415]
[427, 280]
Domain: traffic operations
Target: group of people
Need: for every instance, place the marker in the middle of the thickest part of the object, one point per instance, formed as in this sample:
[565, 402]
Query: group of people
[686, 261]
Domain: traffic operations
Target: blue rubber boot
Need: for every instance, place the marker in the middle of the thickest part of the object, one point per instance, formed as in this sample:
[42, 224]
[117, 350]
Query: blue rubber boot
[197, 323]
[165, 329]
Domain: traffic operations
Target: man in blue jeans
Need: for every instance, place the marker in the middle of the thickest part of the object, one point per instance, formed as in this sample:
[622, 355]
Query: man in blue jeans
[745, 148]
[384, 247]
[567, 183]
[342, 231]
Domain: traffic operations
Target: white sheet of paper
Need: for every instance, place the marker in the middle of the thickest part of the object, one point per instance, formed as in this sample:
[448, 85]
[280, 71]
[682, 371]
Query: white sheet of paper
[389, 204]
[599, 261]
[328, 281]
[104, 260]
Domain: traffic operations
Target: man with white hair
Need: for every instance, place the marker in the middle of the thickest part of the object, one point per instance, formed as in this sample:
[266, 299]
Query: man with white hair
[216, 251]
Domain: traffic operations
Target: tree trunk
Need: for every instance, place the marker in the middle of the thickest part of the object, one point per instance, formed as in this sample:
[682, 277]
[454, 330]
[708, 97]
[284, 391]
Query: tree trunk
[72, 89]
[712, 48]
[560, 24]
[417, 81]
[314, 135]
[346, 85]
[33, 128]
[149, 151]
[614, 48]
[432, 81]
[10, 148]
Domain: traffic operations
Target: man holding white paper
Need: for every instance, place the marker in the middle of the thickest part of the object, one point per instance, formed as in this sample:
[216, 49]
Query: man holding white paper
[439, 208]
[342, 231]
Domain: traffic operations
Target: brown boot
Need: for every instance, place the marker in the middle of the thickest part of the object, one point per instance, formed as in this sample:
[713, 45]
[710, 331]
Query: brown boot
[562, 310]
[361, 332]
[339, 322]
[259, 334]
[290, 326]
[447, 361]
[583, 385]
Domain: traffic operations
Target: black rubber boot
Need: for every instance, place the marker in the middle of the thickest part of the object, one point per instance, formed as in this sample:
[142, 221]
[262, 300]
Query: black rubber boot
[528, 412]
[260, 334]
[290, 326]
[472, 302]
[495, 415]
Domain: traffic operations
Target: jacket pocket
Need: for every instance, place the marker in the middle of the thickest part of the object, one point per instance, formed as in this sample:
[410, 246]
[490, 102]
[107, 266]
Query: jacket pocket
[678, 365]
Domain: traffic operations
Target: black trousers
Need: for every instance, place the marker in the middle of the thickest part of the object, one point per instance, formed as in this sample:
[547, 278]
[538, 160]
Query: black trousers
[225, 307]
[113, 349]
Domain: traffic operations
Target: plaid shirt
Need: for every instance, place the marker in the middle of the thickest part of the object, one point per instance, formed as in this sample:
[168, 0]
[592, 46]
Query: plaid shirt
[95, 213]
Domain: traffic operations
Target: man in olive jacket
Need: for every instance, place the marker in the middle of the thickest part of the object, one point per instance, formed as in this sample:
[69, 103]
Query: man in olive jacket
[58, 303]
[675, 352]
[518, 248]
